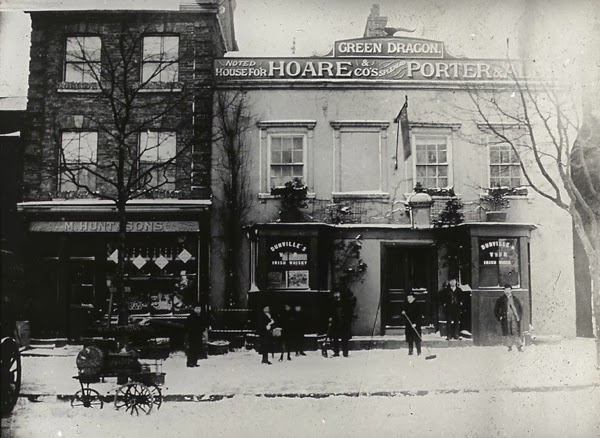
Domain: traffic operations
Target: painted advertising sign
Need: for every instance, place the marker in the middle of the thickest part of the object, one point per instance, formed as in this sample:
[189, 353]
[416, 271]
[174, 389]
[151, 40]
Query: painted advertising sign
[389, 47]
[386, 60]
[113, 226]
[288, 265]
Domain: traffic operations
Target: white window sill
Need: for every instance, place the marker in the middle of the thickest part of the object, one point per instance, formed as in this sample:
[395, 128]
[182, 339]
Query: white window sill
[269, 196]
[360, 195]
[79, 90]
[160, 90]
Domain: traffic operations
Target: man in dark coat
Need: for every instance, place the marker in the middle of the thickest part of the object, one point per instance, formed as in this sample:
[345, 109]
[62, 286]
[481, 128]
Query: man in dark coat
[340, 321]
[451, 302]
[264, 327]
[509, 312]
[412, 327]
[298, 324]
[195, 324]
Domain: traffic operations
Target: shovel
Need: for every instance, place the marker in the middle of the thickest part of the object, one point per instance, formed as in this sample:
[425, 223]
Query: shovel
[430, 355]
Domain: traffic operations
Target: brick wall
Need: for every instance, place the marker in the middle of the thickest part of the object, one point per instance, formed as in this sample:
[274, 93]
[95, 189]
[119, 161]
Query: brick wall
[51, 110]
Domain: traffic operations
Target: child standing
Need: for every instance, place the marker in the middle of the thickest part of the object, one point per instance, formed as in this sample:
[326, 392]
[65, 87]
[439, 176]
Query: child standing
[412, 328]
[195, 324]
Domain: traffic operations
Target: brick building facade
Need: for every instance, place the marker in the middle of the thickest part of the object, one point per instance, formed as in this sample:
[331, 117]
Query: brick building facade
[103, 83]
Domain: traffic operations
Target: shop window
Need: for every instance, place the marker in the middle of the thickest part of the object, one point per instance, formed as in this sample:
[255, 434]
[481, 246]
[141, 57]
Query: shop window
[287, 157]
[157, 160]
[78, 161]
[505, 169]
[432, 161]
[359, 167]
[160, 61]
[499, 262]
[285, 153]
[82, 59]
[288, 264]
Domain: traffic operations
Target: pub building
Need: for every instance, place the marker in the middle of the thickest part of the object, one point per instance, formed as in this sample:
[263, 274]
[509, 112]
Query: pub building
[361, 128]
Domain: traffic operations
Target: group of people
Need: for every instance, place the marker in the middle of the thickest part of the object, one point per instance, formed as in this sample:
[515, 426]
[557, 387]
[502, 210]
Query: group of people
[287, 328]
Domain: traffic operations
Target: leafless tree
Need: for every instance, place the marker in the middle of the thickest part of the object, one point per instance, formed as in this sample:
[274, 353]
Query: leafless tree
[558, 153]
[232, 119]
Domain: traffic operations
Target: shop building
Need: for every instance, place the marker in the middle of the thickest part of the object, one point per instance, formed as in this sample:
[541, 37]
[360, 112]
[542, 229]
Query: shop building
[69, 142]
[335, 123]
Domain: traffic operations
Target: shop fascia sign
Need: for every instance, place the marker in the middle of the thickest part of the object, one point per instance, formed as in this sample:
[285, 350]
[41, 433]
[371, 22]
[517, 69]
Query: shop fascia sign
[497, 252]
[288, 253]
[396, 59]
[113, 226]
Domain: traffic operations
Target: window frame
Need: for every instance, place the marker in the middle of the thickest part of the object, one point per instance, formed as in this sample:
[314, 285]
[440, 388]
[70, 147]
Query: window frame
[63, 164]
[274, 128]
[285, 135]
[379, 127]
[144, 62]
[173, 163]
[519, 261]
[435, 133]
[66, 62]
[517, 164]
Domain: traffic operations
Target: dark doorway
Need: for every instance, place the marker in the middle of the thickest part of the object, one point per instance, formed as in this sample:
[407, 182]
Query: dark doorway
[405, 268]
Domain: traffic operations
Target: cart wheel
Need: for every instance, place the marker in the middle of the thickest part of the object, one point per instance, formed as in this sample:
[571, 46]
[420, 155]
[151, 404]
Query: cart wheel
[135, 398]
[157, 394]
[88, 398]
[11, 374]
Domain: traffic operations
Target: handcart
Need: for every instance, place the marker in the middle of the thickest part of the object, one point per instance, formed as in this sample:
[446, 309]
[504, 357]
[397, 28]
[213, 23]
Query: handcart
[139, 390]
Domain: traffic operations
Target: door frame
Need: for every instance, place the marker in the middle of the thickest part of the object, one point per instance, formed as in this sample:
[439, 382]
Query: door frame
[383, 249]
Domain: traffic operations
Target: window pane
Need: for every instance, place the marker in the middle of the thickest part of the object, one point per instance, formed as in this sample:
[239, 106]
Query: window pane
[73, 73]
[167, 148]
[286, 157]
[275, 157]
[171, 48]
[89, 75]
[148, 146]
[494, 155]
[297, 156]
[169, 72]
[70, 147]
[442, 171]
[275, 143]
[421, 155]
[92, 48]
[442, 156]
[494, 171]
[152, 48]
[421, 172]
[504, 156]
[431, 157]
[286, 171]
[286, 144]
[89, 145]
[150, 72]
[297, 171]
[298, 143]
[75, 49]
[431, 171]
[515, 182]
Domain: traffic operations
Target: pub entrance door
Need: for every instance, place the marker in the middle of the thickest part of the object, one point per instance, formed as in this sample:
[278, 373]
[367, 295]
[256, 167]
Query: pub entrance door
[406, 267]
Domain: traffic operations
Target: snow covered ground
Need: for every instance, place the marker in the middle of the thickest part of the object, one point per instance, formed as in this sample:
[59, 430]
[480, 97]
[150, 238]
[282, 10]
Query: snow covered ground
[569, 363]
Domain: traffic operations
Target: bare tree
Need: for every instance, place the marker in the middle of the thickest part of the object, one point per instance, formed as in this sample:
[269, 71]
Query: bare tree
[558, 155]
[232, 120]
[147, 137]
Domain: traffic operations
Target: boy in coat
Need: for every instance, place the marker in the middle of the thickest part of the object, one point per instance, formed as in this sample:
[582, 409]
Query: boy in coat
[265, 326]
[195, 324]
[412, 327]
[509, 312]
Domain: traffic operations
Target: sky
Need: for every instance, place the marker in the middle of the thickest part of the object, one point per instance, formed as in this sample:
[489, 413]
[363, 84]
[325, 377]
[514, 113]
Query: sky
[561, 36]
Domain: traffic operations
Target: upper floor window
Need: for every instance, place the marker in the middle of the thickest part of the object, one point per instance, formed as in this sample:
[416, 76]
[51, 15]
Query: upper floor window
[432, 165]
[157, 159]
[82, 60]
[505, 168]
[286, 158]
[285, 153]
[358, 155]
[160, 61]
[78, 161]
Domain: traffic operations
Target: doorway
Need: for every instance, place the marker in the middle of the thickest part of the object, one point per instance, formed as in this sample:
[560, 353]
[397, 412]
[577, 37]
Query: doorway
[405, 268]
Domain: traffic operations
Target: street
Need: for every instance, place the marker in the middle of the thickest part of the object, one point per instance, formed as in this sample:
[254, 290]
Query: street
[564, 413]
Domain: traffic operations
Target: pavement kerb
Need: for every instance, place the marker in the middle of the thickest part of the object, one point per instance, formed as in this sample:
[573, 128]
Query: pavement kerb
[319, 395]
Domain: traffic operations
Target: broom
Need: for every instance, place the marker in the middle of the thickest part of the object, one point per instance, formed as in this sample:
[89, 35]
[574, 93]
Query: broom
[430, 355]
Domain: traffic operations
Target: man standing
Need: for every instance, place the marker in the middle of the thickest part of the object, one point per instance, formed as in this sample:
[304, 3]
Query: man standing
[509, 311]
[265, 326]
[451, 297]
[195, 324]
[340, 322]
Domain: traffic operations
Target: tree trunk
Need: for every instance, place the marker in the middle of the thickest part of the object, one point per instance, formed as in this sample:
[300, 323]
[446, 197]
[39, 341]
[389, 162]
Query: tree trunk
[120, 277]
[595, 276]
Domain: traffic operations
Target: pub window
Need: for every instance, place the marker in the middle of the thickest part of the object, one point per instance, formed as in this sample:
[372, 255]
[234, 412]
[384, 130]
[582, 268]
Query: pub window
[160, 61]
[432, 163]
[505, 169]
[157, 160]
[499, 262]
[288, 264]
[78, 161]
[82, 59]
[287, 157]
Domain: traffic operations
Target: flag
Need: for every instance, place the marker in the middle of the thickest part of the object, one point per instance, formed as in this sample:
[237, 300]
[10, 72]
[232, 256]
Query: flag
[402, 120]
